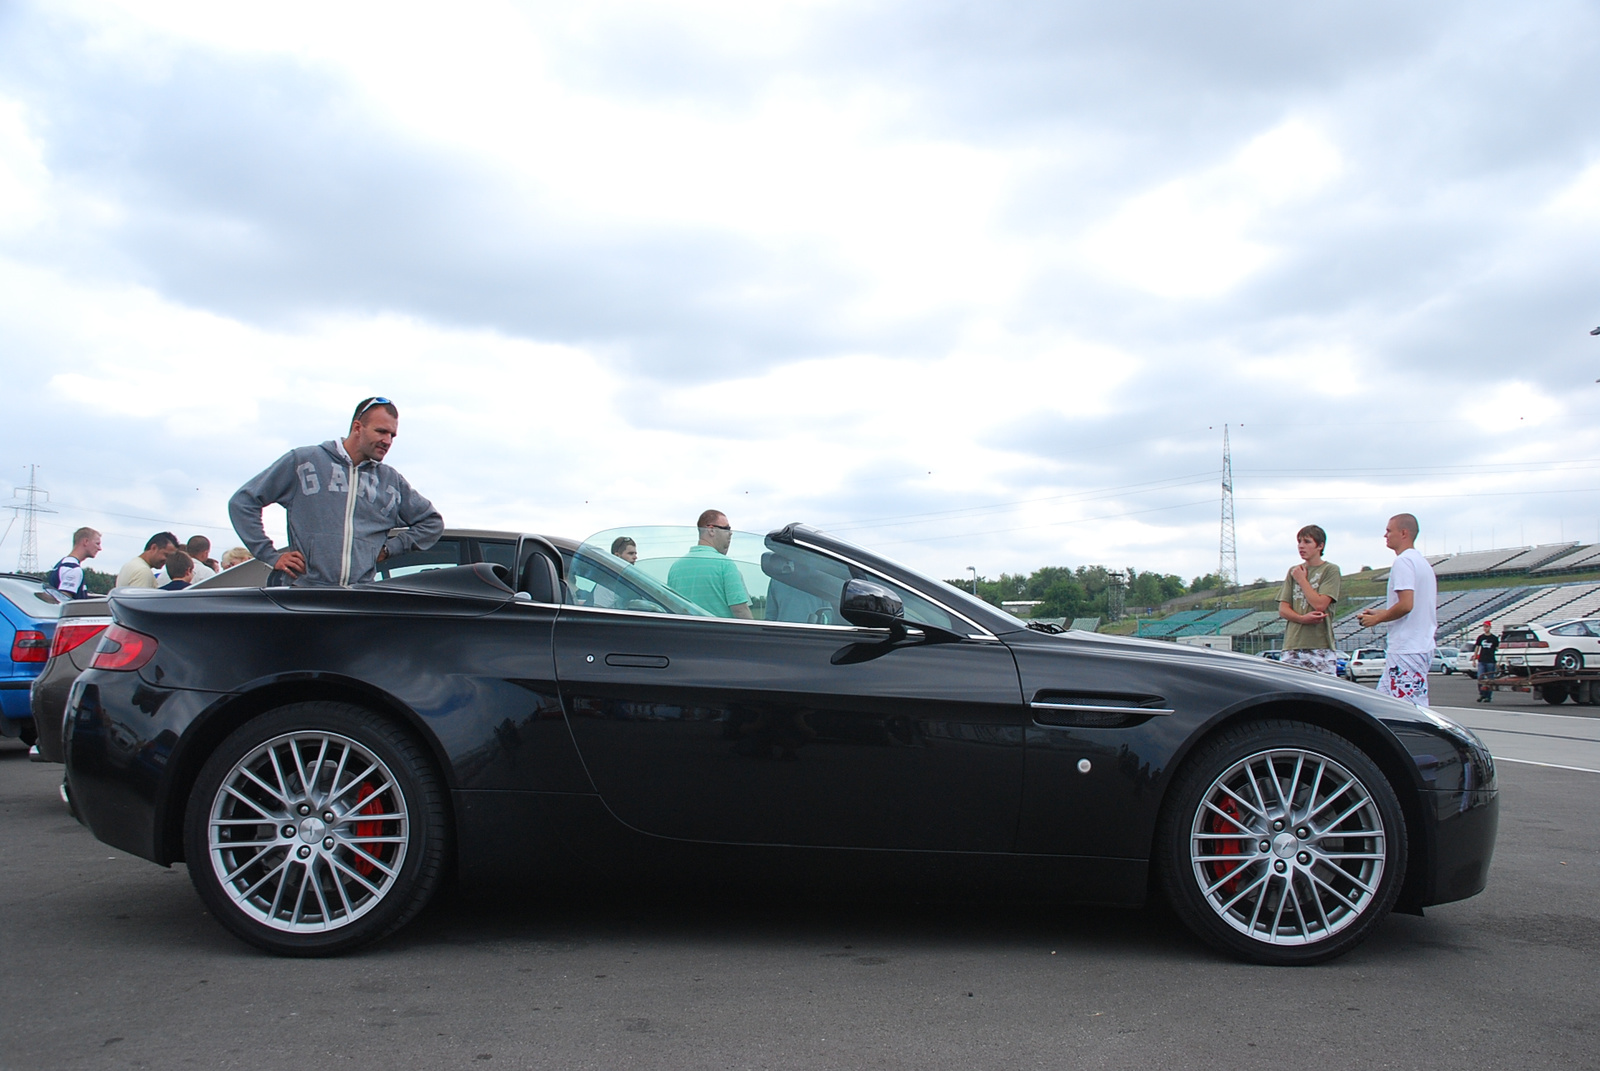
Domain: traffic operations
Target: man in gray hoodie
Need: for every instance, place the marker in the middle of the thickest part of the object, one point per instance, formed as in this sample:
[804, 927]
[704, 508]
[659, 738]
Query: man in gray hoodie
[342, 501]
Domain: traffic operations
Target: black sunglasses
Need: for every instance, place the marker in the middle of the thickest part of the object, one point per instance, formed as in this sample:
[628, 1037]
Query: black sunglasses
[368, 404]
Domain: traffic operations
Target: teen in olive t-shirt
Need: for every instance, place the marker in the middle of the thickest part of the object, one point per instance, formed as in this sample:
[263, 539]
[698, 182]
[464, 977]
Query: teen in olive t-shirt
[1324, 580]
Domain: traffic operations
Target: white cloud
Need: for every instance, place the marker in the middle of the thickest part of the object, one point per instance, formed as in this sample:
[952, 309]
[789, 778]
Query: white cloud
[24, 179]
[1194, 237]
[1579, 202]
[945, 344]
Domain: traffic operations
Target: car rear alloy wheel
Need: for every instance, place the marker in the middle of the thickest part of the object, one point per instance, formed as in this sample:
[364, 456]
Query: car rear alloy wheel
[1282, 843]
[315, 828]
[1569, 661]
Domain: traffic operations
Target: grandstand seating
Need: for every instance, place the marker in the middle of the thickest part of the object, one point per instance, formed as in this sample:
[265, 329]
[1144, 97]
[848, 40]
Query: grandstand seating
[1477, 562]
[1466, 610]
[1585, 605]
[1533, 557]
[1241, 626]
[1084, 624]
[1587, 555]
[1219, 618]
[1545, 604]
[1347, 625]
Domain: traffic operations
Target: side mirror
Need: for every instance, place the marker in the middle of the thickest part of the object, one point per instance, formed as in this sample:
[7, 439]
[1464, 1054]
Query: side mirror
[870, 605]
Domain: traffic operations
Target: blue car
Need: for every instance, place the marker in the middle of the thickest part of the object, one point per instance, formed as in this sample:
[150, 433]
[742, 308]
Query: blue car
[28, 611]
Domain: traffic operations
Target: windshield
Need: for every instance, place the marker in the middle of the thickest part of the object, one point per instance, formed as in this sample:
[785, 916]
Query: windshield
[730, 574]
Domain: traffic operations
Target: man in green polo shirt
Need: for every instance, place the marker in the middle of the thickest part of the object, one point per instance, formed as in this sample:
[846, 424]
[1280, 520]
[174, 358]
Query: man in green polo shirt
[706, 577]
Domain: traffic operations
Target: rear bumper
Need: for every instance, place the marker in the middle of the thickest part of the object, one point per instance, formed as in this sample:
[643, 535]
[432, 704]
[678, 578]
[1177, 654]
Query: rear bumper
[14, 709]
[119, 741]
[48, 703]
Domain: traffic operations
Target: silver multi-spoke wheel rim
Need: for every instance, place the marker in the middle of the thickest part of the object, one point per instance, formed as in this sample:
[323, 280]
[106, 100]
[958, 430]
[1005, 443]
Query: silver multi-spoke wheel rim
[1288, 847]
[308, 832]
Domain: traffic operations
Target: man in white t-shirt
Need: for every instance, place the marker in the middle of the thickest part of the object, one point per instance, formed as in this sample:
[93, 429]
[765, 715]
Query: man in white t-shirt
[1413, 606]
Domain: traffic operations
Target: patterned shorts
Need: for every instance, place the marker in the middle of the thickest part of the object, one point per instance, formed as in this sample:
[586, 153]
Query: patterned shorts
[1317, 661]
[1405, 676]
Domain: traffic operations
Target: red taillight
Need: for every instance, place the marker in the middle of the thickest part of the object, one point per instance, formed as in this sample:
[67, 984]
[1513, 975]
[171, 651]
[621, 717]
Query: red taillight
[30, 646]
[124, 649]
[70, 635]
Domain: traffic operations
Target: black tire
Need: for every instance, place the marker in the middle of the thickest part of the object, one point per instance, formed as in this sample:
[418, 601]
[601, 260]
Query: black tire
[1225, 904]
[375, 843]
[1569, 661]
[1554, 694]
[27, 733]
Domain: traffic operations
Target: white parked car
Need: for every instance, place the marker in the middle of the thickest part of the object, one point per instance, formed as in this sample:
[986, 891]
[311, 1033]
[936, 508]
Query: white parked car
[1467, 663]
[1444, 660]
[1367, 664]
[1567, 645]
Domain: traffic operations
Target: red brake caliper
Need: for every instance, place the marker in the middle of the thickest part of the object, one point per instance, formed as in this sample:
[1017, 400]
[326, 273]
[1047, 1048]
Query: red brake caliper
[1227, 847]
[368, 829]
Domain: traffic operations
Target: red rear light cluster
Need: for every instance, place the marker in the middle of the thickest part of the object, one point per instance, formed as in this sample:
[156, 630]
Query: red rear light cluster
[30, 646]
[123, 649]
[71, 635]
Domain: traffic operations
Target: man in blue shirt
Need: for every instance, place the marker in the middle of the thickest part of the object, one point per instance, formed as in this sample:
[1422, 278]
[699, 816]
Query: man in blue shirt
[706, 577]
[68, 575]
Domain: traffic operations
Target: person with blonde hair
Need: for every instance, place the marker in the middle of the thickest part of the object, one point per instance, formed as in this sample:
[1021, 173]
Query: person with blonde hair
[234, 556]
[1412, 613]
[69, 575]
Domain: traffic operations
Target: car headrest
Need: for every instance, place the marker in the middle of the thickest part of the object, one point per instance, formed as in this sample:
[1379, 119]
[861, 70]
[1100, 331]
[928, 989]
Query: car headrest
[539, 579]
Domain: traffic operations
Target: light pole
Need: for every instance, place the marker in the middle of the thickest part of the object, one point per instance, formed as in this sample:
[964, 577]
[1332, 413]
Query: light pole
[973, 569]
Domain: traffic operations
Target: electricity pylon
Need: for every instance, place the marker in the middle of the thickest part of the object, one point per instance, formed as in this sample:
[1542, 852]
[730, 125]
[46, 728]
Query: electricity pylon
[28, 559]
[1228, 555]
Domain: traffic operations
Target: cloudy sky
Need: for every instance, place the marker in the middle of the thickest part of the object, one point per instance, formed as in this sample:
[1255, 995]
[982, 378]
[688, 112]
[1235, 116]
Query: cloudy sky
[973, 284]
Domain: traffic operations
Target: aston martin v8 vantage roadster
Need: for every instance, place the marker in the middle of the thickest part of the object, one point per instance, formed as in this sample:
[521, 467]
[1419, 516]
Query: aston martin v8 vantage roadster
[322, 758]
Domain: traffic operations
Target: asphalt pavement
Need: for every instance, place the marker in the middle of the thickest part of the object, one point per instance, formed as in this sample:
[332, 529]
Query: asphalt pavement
[111, 962]
[1523, 728]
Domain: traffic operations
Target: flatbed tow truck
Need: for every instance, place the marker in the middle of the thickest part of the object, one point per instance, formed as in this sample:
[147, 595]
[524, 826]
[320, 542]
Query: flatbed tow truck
[1552, 685]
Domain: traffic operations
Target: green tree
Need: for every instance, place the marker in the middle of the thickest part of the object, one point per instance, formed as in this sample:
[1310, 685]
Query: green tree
[1065, 598]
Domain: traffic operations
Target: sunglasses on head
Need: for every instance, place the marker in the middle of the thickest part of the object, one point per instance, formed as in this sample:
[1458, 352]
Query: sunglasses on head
[361, 410]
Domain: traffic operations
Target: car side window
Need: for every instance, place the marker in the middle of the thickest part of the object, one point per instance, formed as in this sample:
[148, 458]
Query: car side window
[441, 555]
[1577, 628]
[499, 553]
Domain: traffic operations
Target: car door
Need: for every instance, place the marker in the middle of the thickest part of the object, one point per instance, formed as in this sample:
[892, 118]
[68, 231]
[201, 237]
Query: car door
[1579, 636]
[792, 732]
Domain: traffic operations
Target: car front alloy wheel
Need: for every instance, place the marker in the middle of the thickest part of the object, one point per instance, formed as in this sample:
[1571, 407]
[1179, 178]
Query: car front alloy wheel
[1282, 843]
[315, 828]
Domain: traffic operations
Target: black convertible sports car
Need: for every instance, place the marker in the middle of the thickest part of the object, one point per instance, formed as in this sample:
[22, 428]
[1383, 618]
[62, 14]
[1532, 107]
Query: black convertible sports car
[321, 758]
